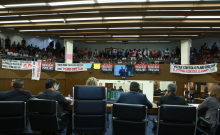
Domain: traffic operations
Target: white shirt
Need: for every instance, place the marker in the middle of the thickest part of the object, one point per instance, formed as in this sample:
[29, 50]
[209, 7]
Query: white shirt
[25, 55]
[15, 54]
[9, 53]
[167, 53]
[145, 52]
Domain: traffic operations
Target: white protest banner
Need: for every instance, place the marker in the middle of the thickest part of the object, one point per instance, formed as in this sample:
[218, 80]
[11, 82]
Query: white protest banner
[17, 64]
[193, 69]
[72, 67]
[36, 70]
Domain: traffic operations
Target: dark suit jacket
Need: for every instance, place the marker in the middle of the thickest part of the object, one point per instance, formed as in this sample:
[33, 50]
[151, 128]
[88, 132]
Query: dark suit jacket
[133, 97]
[15, 95]
[210, 105]
[172, 99]
[54, 95]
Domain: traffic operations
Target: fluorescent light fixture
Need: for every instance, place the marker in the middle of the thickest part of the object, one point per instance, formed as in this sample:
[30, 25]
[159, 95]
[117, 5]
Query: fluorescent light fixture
[93, 29]
[158, 27]
[10, 16]
[184, 35]
[153, 41]
[169, 10]
[31, 30]
[48, 20]
[119, 41]
[111, 41]
[26, 5]
[37, 14]
[119, 1]
[125, 36]
[143, 41]
[2, 6]
[132, 41]
[23, 21]
[71, 36]
[198, 17]
[164, 41]
[115, 18]
[59, 29]
[79, 13]
[193, 27]
[154, 35]
[170, 0]
[216, 27]
[84, 19]
[90, 41]
[100, 36]
[164, 17]
[124, 28]
[70, 3]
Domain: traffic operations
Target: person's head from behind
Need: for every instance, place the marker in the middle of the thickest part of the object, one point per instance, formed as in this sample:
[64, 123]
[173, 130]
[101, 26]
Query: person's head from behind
[214, 91]
[18, 84]
[171, 88]
[92, 81]
[50, 84]
[134, 86]
[121, 67]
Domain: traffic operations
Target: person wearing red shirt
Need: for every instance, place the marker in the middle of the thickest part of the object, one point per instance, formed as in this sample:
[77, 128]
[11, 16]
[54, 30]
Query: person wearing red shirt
[85, 52]
[81, 53]
[12, 49]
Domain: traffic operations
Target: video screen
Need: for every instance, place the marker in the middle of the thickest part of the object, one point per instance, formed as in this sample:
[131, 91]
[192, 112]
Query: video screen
[113, 95]
[124, 70]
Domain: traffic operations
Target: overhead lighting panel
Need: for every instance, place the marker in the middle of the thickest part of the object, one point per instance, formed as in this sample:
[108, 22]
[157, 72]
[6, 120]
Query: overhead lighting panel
[92, 29]
[125, 36]
[184, 35]
[59, 29]
[164, 41]
[119, 1]
[121, 18]
[2, 6]
[71, 36]
[143, 41]
[111, 41]
[201, 17]
[164, 17]
[193, 27]
[26, 5]
[48, 20]
[100, 36]
[121, 28]
[71, 3]
[22, 21]
[154, 35]
[90, 41]
[153, 41]
[84, 19]
[31, 30]
[158, 27]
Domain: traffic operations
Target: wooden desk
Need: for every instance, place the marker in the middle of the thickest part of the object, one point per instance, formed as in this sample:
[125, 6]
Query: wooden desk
[152, 111]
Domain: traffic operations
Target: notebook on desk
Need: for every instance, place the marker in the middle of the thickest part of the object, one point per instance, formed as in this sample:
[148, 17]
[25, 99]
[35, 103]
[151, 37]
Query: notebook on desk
[113, 95]
[195, 105]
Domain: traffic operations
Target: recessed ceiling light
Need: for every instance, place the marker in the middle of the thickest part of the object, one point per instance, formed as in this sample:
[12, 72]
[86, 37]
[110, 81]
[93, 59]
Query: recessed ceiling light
[26, 5]
[164, 41]
[48, 20]
[23, 21]
[164, 17]
[71, 36]
[100, 36]
[125, 36]
[31, 30]
[153, 41]
[83, 19]
[131, 17]
[153, 35]
[142, 41]
[184, 35]
[2, 6]
[71, 3]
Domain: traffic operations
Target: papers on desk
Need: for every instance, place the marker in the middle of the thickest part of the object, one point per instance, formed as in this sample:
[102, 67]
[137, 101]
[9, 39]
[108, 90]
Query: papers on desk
[195, 105]
[67, 97]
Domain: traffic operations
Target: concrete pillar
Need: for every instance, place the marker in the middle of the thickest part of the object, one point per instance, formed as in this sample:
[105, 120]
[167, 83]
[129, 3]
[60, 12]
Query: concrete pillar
[185, 51]
[68, 44]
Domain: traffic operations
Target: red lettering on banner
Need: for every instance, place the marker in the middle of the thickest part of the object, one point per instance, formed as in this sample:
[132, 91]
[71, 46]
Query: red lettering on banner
[80, 68]
[204, 70]
[180, 70]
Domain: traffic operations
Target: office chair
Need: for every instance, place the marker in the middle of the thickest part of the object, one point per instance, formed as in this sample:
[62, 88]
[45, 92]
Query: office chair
[43, 116]
[128, 119]
[176, 120]
[89, 109]
[208, 131]
[12, 116]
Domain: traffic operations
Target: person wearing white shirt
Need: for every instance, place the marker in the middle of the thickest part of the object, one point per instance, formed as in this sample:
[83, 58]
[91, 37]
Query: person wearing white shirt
[25, 55]
[15, 54]
[10, 53]
[146, 53]
[167, 53]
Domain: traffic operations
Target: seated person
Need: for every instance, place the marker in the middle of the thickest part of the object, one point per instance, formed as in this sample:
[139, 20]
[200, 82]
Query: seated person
[17, 94]
[51, 94]
[211, 105]
[120, 88]
[171, 98]
[92, 81]
[133, 97]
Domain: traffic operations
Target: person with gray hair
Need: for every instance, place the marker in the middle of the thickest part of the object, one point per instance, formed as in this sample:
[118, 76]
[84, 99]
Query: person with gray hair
[17, 94]
[171, 98]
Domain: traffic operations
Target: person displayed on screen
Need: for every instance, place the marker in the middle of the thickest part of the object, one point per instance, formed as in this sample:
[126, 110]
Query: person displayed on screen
[122, 71]
[133, 97]
[92, 81]
[126, 70]
[211, 106]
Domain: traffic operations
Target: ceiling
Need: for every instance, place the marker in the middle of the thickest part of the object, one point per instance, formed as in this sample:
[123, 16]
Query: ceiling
[112, 19]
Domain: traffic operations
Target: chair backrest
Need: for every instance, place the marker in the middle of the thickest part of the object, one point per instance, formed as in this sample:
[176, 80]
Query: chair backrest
[89, 109]
[175, 119]
[217, 131]
[128, 119]
[12, 116]
[43, 115]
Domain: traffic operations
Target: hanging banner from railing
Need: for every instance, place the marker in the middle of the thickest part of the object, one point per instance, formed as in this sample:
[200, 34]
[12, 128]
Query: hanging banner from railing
[107, 68]
[193, 69]
[74, 67]
[153, 68]
[47, 66]
[36, 70]
[140, 68]
[17, 64]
